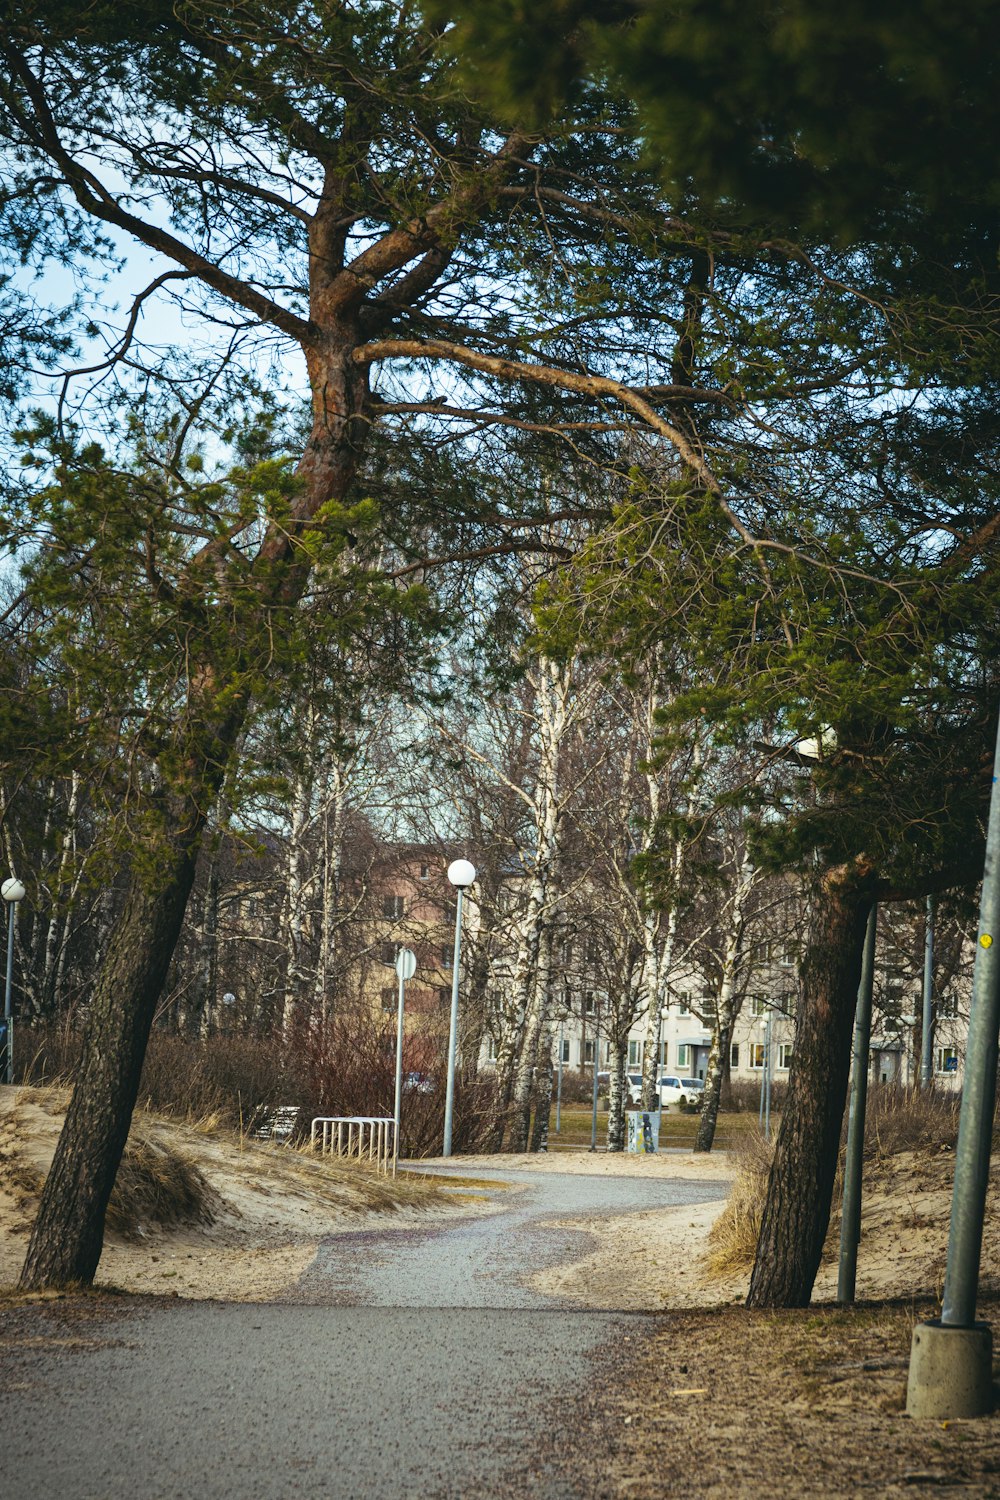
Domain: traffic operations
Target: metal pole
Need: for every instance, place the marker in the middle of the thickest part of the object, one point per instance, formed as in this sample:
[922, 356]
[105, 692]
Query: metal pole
[760, 1112]
[7, 1015]
[449, 1098]
[397, 1105]
[767, 1076]
[972, 1154]
[559, 1068]
[593, 1109]
[927, 1023]
[850, 1220]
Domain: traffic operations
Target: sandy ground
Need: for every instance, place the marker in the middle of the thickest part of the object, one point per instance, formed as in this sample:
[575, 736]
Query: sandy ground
[270, 1206]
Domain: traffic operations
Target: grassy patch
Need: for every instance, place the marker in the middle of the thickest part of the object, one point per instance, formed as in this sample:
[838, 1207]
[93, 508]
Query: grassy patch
[676, 1129]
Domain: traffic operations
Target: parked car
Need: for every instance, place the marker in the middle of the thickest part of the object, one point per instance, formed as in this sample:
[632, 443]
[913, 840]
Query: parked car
[687, 1092]
[633, 1087]
[418, 1083]
[633, 1083]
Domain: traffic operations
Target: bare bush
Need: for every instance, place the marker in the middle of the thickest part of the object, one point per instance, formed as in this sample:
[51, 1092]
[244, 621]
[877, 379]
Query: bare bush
[898, 1119]
[742, 1096]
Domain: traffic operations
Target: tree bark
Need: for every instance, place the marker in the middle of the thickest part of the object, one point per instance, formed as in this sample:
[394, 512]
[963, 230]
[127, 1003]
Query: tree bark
[543, 1093]
[68, 1236]
[721, 1038]
[800, 1187]
[617, 1056]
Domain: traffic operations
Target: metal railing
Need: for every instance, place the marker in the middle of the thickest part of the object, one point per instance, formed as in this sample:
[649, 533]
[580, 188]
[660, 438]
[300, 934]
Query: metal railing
[365, 1137]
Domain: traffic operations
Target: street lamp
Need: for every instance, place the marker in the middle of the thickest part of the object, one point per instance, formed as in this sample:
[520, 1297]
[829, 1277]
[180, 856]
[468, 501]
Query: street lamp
[951, 1358]
[406, 967]
[12, 892]
[461, 874]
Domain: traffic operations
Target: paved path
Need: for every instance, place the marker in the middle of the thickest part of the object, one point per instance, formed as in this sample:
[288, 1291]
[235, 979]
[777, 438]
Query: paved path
[405, 1363]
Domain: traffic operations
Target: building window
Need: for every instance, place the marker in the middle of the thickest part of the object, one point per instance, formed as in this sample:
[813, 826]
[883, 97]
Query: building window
[588, 1003]
[634, 1054]
[491, 1050]
[947, 1060]
[588, 1052]
[756, 1054]
[682, 1054]
[734, 1055]
[592, 952]
[786, 1003]
[684, 1002]
[758, 1005]
[762, 952]
[947, 1006]
[785, 1054]
[392, 907]
[425, 872]
[387, 953]
[787, 956]
[564, 1045]
[663, 1054]
[389, 997]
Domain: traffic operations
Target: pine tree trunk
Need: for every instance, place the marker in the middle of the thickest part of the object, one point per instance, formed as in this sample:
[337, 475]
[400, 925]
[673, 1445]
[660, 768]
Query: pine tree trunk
[68, 1236]
[800, 1187]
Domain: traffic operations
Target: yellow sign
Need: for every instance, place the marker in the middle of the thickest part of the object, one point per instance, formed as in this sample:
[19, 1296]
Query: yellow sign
[986, 941]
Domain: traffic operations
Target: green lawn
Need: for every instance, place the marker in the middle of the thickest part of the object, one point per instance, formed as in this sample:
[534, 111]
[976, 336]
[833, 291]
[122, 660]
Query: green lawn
[676, 1129]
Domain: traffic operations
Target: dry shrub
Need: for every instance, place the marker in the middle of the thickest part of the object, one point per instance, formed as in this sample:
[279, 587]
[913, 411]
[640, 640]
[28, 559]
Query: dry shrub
[157, 1185]
[898, 1119]
[344, 1068]
[733, 1237]
[742, 1096]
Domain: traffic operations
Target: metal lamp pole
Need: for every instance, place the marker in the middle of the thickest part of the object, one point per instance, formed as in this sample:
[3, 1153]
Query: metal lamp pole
[951, 1371]
[461, 874]
[927, 1020]
[559, 1067]
[850, 1222]
[767, 1076]
[597, 1064]
[12, 892]
[406, 967]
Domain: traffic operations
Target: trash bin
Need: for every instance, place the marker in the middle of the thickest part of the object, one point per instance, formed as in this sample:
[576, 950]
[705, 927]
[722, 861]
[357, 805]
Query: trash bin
[642, 1131]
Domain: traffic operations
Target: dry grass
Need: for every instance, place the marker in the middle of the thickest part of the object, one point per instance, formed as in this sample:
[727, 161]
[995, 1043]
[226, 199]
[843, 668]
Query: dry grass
[733, 1237]
[158, 1185]
[898, 1123]
[898, 1120]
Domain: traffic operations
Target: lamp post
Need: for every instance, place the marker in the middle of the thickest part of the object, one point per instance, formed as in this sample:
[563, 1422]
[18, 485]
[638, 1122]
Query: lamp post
[228, 1001]
[461, 874]
[559, 1067]
[951, 1361]
[12, 892]
[597, 1064]
[406, 967]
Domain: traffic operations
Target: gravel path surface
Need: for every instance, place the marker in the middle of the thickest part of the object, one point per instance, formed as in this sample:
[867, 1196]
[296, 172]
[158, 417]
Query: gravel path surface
[406, 1363]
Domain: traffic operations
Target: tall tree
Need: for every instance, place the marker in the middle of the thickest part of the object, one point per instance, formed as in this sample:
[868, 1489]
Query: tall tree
[327, 185]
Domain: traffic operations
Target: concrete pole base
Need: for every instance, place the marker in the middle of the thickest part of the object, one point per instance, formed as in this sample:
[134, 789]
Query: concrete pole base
[951, 1371]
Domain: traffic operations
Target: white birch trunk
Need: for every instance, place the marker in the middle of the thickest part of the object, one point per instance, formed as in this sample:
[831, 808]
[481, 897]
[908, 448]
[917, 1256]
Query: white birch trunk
[725, 1007]
[552, 684]
[296, 888]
